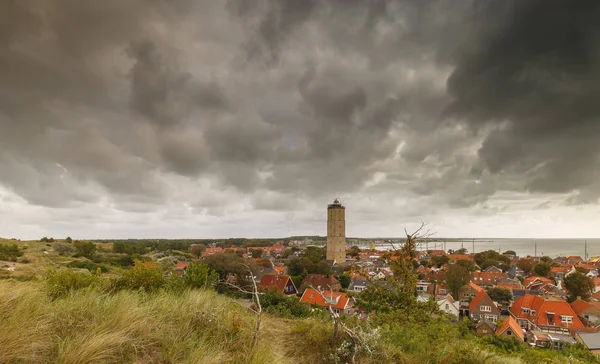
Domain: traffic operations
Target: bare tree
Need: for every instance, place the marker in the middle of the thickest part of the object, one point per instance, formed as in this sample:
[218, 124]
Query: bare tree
[257, 309]
[337, 323]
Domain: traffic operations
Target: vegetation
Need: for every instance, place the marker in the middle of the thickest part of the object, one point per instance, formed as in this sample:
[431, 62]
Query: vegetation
[578, 285]
[525, 264]
[500, 295]
[456, 277]
[10, 252]
[147, 313]
[542, 269]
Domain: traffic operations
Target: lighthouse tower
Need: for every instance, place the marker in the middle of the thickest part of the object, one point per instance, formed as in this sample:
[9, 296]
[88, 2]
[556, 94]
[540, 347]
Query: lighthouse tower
[336, 232]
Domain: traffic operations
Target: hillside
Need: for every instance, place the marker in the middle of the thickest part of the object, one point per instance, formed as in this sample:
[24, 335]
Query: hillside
[78, 316]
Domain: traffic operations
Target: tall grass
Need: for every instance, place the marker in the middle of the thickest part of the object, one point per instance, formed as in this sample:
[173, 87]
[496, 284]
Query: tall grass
[89, 326]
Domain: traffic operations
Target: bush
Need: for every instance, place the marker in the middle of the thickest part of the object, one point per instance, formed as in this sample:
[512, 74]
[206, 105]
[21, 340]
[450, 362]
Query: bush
[10, 252]
[89, 265]
[59, 284]
[62, 248]
[276, 303]
[144, 276]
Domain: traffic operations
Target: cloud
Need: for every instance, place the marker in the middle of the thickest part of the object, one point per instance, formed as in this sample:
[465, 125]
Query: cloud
[244, 113]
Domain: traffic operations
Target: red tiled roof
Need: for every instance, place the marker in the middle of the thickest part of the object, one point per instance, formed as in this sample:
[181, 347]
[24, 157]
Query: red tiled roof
[477, 300]
[560, 270]
[531, 279]
[542, 306]
[181, 265]
[460, 257]
[436, 252]
[574, 258]
[274, 281]
[337, 300]
[487, 278]
[581, 306]
[512, 323]
[475, 287]
[321, 281]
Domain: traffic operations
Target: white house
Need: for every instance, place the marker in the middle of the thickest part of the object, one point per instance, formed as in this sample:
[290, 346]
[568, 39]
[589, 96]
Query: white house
[448, 305]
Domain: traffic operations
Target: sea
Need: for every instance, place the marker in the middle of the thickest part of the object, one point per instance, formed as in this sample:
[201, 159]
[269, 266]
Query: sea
[523, 247]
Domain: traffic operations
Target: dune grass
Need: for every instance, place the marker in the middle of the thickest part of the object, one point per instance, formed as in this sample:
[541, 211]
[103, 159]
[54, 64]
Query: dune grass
[89, 326]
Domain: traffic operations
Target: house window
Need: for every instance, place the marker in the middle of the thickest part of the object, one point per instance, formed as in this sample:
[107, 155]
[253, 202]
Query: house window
[484, 331]
[312, 295]
[485, 308]
[465, 295]
[525, 310]
[566, 319]
[447, 306]
[508, 332]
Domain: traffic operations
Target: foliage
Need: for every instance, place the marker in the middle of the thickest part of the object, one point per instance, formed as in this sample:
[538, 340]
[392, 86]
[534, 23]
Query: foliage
[89, 265]
[456, 277]
[144, 276]
[129, 248]
[439, 260]
[199, 275]
[542, 269]
[354, 252]
[47, 240]
[311, 262]
[467, 264]
[61, 283]
[344, 280]
[488, 263]
[229, 263]
[578, 285]
[69, 240]
[85, 248]
[510, 253]
[546, 259]
[197, 250]
[10, 252]
[506, 344]
[63, 249]
[501, 295]
[276, 303]
[525, 264]
[502, 260]
[256, 253]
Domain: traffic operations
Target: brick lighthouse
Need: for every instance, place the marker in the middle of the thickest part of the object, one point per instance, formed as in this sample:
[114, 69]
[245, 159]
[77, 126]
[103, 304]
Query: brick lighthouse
[336, 232]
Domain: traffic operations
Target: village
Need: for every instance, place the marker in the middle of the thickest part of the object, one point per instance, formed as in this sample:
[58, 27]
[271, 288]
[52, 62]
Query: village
[544, 302]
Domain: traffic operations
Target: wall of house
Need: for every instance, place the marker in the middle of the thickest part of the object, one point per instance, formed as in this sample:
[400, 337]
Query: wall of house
[484, 330]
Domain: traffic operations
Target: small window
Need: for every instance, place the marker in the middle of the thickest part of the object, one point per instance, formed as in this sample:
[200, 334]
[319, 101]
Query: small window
[447, 306]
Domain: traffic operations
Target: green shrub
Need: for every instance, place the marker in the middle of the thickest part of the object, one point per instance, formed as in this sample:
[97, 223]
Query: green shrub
[144, 276]
[276, 303]
[61, 283]
[10, 252]
[89, 265]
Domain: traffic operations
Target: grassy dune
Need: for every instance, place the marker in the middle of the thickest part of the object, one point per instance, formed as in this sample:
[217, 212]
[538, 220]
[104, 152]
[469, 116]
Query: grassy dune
[89, 326]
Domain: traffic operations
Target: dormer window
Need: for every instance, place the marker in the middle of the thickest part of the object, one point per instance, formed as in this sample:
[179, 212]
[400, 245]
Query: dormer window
[525, 310]
[566, 319]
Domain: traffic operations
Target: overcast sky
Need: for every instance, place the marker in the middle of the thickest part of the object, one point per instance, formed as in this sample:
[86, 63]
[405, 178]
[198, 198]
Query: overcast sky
[202, 119]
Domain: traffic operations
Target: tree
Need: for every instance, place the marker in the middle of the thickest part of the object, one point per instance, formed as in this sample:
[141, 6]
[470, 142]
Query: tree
[256, 253]
[439, 260]
[198, 249]
[500, 295]
[546, 259]
[510, 253]
[456, 277]
[542, 269]
[85, 248]
[69, 240]
[199, 276]
[489, 263]
[578, 285]
[354, 252]
[525, 264]
[467, 264]
[344, 280]
[461, 251]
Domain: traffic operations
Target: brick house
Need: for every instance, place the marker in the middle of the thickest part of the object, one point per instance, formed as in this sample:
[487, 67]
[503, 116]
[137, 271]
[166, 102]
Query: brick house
[276, 282]
[551, 314]
[483, 308]
[321, 282]
[340, 303]
[511, 328]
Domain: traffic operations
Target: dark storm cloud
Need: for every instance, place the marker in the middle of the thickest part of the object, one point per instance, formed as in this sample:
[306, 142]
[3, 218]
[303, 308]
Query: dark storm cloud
[531, 71]
[272, 104]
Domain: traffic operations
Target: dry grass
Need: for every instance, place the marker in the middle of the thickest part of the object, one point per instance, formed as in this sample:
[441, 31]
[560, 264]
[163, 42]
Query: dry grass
[93, 327]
